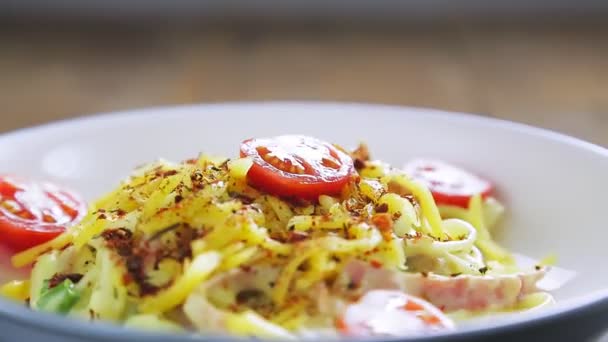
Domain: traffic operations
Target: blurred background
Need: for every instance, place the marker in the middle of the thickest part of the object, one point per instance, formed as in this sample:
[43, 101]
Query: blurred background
[543, 63]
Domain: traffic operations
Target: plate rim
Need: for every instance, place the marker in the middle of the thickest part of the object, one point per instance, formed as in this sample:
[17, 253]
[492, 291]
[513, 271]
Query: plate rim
[446, 114]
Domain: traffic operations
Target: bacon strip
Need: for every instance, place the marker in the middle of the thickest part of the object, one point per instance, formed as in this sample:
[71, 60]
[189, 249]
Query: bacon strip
[448, 293]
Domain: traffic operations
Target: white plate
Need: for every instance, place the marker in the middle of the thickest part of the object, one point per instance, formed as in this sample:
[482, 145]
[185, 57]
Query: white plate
[554, 186]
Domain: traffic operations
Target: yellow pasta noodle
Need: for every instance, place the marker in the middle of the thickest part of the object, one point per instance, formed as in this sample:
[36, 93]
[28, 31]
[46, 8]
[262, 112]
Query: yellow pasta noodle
[195, 273]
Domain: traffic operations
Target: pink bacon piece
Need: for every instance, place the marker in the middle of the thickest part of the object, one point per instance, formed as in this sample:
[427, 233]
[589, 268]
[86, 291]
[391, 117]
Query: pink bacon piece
[469, 292]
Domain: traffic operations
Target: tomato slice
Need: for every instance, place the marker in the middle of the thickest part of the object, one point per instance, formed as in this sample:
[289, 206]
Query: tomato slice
[393, 313]
[297, 166]
[32, 213]
[449, 184]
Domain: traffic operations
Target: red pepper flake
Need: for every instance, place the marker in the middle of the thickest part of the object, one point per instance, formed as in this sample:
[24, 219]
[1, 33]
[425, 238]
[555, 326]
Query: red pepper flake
[359, 164]
[59, 278]
[127, 279]
[197, 176]
[375, 263]
[412, 306]
[119, 239]
[65, 247]
[384, 223]
[295, 236]
[120, 212]
[135, 267]
[297, 202]
[224, 165]
[245, 296]
[411, 199]
[243, 198]
[382, 208]
[416, 236]
[167, 173]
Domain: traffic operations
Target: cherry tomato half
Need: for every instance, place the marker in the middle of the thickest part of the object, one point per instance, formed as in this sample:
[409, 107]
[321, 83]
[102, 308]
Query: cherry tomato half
[32, 213]
[297, 166]
[393, 313]
[449, 184]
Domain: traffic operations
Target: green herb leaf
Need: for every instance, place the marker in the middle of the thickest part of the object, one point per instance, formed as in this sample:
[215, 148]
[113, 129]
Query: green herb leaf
[59, 299]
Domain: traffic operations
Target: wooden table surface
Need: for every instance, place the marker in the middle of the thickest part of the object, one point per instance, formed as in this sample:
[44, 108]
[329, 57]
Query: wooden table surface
[550, 76]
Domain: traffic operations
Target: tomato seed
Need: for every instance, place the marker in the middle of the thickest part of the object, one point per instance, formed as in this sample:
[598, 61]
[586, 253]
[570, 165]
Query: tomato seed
[433, 320]
[11, 206]
[48, 218]
[284, 165]
[331, 163]
[412, 306]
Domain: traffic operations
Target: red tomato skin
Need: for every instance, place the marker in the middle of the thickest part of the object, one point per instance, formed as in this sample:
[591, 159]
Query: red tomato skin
[456, 200]
[411, 315]
[23, 236]
[266, 177]
[19, 233]
[437, 174]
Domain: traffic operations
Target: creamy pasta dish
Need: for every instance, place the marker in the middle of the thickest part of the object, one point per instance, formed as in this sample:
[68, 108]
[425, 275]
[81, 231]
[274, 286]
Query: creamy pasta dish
[294, 237]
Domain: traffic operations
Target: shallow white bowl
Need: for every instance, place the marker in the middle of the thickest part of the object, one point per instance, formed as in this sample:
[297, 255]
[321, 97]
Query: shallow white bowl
[554, 187]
